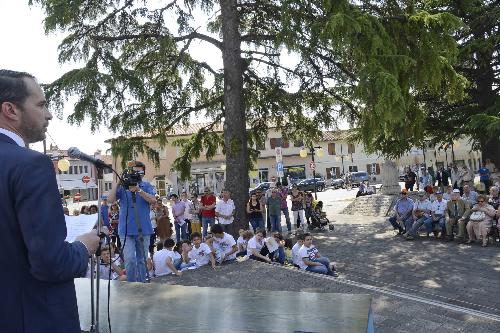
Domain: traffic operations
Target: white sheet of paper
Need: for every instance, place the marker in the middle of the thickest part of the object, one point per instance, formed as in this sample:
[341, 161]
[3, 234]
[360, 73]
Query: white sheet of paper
[78, 225]
[271, 243]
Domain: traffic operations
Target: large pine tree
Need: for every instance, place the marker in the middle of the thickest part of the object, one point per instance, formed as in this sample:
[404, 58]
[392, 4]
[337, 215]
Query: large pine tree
[356, 60]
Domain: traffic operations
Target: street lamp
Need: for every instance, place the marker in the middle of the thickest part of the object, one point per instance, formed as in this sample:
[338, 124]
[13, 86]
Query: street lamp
[314, 151]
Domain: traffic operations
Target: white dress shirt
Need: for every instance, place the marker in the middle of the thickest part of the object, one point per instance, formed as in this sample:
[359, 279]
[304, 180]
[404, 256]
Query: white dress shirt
[13, 136]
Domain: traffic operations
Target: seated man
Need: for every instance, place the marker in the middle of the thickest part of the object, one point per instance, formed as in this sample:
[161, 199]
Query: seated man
[404, 209]
[421, 212]
[470, 195]
[312, 260]
[457, 212]
[438, 208]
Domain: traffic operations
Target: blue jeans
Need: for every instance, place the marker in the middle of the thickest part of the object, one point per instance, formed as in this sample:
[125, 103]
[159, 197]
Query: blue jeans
[134, 257]
[184, 265]
[287, 218]
[429, 223]
[257, 222]
[180, 232]
[417, 224]
[279, 255]
[407, 221]
[323, 269]
[275, 222]
[205, 221]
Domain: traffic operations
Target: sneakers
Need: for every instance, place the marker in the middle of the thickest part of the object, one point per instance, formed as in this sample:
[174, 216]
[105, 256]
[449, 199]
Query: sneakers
[334, 274]
[409, 238]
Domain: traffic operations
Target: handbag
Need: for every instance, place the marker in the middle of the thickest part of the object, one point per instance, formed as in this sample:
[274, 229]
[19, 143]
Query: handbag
[477, 216]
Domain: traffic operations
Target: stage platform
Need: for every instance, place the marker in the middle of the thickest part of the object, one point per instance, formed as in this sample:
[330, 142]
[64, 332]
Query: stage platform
[160, 308]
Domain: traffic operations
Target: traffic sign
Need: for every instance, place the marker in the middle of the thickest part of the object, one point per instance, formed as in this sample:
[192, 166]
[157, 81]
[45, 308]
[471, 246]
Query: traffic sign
[279, 154]
[86, 179]
[279, 169]
[77, 196]
[312, 165]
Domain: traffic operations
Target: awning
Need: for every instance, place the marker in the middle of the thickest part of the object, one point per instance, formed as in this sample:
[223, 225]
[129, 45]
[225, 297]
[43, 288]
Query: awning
[75, 184]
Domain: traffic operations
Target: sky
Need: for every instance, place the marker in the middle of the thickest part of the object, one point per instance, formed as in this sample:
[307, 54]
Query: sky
[25, 47]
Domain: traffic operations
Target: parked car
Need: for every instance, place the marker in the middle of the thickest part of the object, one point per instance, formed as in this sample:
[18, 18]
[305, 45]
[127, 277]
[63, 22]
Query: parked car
[359, 177]
[308, 184]
[337, 183]
[262, 187]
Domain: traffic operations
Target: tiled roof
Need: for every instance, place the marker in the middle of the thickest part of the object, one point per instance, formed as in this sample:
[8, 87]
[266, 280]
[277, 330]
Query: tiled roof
[192, 129]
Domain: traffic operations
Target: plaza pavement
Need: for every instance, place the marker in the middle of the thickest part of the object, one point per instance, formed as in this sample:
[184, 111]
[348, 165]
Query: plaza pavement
[420, 286]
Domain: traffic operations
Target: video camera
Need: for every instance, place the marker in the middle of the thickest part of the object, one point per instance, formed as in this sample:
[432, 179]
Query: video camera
[131, 177]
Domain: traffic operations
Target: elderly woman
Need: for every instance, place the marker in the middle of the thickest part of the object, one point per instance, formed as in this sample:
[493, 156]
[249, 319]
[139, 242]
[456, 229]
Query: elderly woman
[480, 220]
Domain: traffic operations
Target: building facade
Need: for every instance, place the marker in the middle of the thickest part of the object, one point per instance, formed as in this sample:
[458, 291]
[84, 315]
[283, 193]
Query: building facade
[339, 157]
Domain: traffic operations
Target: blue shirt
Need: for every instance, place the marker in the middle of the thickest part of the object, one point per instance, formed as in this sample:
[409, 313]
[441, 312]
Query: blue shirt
[142, 211]
[484, 174]
[104, 214]
[404, 206]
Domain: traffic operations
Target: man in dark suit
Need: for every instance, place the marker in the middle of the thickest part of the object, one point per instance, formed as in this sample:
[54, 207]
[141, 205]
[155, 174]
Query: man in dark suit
[38, 266]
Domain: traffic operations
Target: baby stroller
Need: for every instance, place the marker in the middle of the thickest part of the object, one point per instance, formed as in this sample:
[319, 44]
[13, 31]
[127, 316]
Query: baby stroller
[319, 219]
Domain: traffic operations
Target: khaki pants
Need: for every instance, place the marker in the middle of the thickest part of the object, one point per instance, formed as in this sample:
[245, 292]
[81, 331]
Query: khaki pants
[476, 229]
[450, 222]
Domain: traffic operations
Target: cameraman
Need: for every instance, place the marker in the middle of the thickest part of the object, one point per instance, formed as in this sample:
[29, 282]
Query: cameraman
[134, 252]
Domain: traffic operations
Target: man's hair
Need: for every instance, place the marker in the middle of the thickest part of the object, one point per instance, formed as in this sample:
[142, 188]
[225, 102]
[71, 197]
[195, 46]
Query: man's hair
[168, 243]
[301, 236]
[217, 229]
[12, 86]
[195, 235]
[247, 234]
[260, 231]
[306, 234]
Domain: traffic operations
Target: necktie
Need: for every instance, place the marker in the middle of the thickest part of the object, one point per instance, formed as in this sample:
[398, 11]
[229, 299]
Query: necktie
[456, 210]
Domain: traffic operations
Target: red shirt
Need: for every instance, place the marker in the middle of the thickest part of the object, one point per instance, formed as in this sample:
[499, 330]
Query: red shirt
[208, 200]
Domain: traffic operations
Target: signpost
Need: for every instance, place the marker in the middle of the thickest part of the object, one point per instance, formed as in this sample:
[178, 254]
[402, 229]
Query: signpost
[279, 162]
[86, 179]
[77, 197]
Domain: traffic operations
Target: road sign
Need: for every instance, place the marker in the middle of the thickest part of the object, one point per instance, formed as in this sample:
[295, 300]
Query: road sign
[279, 154]
[279, 169]
[312, 165]
[77, 197]
[273, 179]
[86, 179]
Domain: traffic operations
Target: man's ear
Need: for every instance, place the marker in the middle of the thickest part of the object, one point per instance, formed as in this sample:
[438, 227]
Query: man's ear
[9, 110]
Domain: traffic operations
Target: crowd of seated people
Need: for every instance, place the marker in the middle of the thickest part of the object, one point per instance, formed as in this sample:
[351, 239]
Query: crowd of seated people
[449, 216]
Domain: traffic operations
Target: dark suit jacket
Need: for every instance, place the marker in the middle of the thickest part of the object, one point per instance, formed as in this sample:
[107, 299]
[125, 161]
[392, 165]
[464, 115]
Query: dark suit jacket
[37, 265]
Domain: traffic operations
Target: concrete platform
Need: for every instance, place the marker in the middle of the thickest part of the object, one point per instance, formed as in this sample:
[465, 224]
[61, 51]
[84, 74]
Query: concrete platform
[156, 307]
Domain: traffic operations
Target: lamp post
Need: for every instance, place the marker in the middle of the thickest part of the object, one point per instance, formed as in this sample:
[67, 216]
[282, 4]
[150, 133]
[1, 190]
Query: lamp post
[320, 153]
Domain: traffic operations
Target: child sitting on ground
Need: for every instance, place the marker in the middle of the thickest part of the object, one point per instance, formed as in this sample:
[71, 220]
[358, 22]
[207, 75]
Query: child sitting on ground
[245, 236]
[167, 261]
[295, 250]
[106, 263]
[288, 245]
[186, 260]
[312, 260]
[223, 244]
[201, 253]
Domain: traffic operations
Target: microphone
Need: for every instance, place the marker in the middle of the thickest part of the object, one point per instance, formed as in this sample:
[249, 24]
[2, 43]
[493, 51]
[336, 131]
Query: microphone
[74, 152]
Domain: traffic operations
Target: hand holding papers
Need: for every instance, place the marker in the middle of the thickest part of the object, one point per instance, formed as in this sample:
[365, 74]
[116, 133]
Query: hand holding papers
[79, 228]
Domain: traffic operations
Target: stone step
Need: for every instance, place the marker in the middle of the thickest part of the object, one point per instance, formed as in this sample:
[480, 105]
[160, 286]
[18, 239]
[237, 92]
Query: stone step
[372, 205]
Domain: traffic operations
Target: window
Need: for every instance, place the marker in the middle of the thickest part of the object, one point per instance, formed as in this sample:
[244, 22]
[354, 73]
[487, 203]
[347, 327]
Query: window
[351, 148]
[353, 168]
[70, 171]
[373, 168]
[298, 143]
[333, 172]
[263, 175]
[81, 169]
[331, 148]
[86, 168]
[278, 142]
[160, 186]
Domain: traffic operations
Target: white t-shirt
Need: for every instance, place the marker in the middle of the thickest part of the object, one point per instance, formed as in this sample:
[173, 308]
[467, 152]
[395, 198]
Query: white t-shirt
[422, 205]
[152, 217]
[200, 255]
[438, 208]
[295, 254]
[224, 245]
[226, 209]
[242, 244]
[307, 252]
[160, 261]
[253, 244]
[187, 210]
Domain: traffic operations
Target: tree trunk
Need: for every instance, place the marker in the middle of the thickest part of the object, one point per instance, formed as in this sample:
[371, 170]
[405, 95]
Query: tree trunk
[235, 137]
[491, 150]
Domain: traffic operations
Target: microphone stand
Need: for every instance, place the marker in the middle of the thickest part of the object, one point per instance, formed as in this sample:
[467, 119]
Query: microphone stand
[94, 326]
